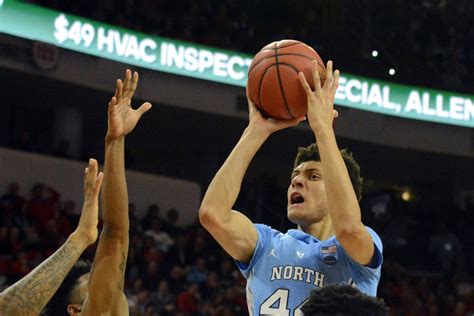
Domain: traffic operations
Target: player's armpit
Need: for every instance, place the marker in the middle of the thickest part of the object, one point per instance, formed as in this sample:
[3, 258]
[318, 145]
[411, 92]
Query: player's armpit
[357, 243]
[236, 234]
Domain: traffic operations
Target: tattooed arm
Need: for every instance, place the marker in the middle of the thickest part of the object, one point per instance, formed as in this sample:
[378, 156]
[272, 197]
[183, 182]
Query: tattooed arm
[30, 295]
[106, 296]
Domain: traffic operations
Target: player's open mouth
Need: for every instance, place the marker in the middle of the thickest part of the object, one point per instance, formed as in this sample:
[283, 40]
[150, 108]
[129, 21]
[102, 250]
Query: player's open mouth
[296, 198]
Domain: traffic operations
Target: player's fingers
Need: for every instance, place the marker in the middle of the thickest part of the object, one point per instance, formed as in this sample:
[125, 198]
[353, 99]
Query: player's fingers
[305, 84]
[335, 114]
[128, 80]
[144, 108]
[86, 172]
[118, 89]
[316, 78]
[329, 73]
[98, 183]
[133, 85]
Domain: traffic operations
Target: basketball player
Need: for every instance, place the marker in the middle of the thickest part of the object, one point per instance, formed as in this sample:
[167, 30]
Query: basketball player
[331, 245]
[342, 300]
[102, 293]
[29, 295]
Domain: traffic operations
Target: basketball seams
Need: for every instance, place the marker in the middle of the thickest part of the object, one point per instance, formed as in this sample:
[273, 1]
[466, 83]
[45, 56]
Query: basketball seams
[260, 103]
[289, 45]
[280, 84]
[284, 54]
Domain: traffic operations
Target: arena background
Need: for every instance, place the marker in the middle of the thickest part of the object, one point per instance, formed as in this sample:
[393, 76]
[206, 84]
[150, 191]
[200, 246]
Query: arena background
[419, 187]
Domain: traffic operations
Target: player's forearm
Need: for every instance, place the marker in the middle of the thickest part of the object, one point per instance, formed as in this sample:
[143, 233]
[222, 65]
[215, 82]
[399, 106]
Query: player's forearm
[342, 201]
[225, 187]
[114, 188]
[30, 295]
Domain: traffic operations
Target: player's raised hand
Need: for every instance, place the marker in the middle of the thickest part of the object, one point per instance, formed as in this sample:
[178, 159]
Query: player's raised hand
[87, 227]
[268, 125]
[321, 113]
[122, 118]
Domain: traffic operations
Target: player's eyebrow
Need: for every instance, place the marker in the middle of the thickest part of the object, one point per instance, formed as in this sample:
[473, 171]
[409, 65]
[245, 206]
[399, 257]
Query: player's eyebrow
[298, 171]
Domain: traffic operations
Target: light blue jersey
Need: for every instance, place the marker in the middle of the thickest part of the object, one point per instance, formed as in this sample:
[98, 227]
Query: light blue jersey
[286, 267]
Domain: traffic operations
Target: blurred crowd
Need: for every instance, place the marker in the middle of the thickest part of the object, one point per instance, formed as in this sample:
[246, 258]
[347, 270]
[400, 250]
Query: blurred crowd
[428, 42]
[173, 270]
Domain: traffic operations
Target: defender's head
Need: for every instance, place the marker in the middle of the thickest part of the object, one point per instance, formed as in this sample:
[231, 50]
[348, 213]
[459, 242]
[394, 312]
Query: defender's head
[70, 296]
[307, 201]
[342, 300]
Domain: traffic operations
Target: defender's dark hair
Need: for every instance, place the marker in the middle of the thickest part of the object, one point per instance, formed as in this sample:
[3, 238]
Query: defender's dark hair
[311, 152]
[62, 298]
[343, 300]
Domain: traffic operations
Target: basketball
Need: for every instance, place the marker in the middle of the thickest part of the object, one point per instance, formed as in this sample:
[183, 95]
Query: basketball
[273, 83]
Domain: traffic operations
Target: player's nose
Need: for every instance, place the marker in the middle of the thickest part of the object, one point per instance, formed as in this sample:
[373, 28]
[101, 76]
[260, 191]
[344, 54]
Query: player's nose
[297, 181]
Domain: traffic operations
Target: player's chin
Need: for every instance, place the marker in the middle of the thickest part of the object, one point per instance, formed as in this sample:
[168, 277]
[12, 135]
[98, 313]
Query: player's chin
[296, 213]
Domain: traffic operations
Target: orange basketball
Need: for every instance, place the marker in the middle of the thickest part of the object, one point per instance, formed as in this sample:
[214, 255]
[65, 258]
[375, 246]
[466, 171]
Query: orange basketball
[273, 83]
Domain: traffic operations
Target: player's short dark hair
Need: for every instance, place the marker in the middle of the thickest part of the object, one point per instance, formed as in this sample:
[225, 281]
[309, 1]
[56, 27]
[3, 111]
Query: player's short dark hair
[311, 152]
[62, 298]
[342, 300]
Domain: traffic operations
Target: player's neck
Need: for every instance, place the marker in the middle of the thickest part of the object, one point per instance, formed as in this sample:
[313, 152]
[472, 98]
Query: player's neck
[321, 230]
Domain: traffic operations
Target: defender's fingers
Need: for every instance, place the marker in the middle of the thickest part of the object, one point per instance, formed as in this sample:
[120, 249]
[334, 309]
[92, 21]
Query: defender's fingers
[118, 89]
[128, 80]
[133, 85]
[305, 84]
[144, 108]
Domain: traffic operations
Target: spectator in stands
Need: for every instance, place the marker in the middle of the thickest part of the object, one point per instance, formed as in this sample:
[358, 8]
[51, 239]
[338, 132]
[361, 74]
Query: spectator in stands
[172, 218]
[187, 301]
[446, 249]
[152, 213]
[41, 208]
[162, 239]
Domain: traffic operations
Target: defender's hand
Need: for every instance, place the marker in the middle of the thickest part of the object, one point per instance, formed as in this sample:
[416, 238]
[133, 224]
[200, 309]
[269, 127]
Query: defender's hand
[122, 118]
[87, 227]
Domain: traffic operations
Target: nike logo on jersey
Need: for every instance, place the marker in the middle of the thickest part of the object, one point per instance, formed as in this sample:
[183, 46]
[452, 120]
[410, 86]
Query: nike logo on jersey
[300, 254]
[272, 253]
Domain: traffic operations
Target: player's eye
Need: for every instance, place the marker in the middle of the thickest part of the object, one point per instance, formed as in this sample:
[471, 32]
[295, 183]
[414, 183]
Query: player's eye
[313, 176]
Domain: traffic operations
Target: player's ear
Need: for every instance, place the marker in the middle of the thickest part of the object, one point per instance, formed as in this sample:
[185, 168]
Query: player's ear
[74, 309]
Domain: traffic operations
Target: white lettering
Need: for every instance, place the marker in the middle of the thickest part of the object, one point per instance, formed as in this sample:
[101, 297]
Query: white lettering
[309, 274]
[468, 110]
[190, 59]
[353, 84]
[175, 56]
[426, 105]
[132, 47]
[120, 43]
[318, 279]
[341, 89]
[108, 40]
[375, 95]
[236, 75]
[220, 64]
[163, 51]
[440, 107]
[287, 272]
[365, 92]
[145, 44]
[413, 102]
[205, 60]
[298, 274]
[456, 108]
[276, 273]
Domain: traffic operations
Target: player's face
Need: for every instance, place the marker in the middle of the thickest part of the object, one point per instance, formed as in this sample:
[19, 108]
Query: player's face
[307, 203]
